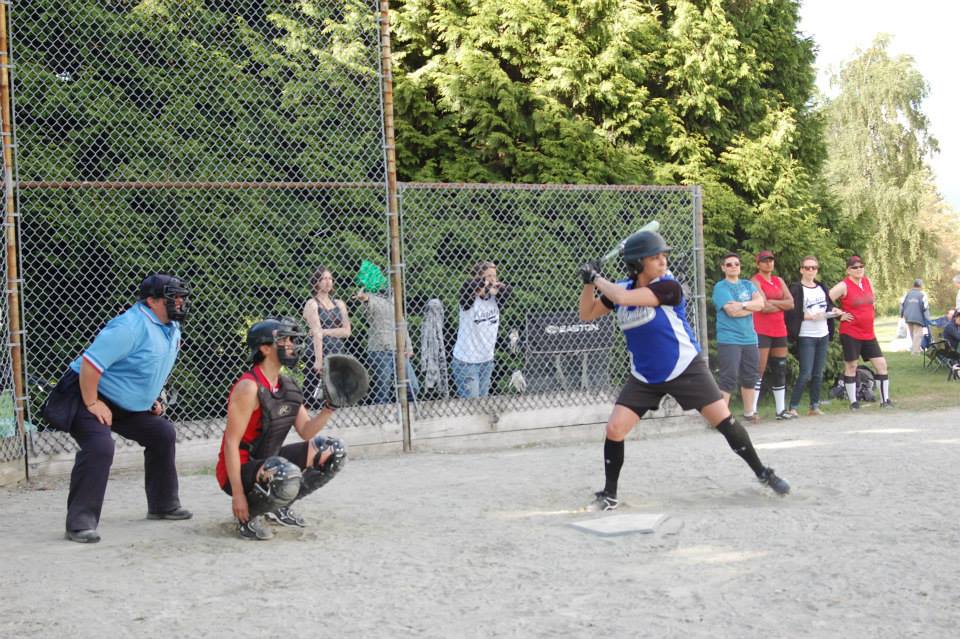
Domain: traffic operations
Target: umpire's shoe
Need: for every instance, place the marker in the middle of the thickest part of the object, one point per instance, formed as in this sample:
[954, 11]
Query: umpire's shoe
[777, 484]
[175, 514]
[89, 536]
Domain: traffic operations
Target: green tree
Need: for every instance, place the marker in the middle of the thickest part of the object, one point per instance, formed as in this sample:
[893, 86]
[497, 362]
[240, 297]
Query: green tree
[878, 141]
[711, 92]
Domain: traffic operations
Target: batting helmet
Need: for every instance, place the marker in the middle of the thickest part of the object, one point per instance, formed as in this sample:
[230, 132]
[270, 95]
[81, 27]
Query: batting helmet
[269, 331]
[641, 245]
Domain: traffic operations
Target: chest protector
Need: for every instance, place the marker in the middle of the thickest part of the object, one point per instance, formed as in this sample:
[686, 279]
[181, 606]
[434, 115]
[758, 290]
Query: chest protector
[278, 413]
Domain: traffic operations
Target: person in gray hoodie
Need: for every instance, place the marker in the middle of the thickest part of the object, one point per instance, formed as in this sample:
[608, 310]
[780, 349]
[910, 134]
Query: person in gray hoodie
[915, 311]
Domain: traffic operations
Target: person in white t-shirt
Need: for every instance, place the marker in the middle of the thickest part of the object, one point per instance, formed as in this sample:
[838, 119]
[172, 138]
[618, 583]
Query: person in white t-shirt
[810, 324]
[481, 299]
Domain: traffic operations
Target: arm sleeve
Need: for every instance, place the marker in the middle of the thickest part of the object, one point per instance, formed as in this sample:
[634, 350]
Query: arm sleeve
[721, 295]
[111, 345]
[468, 293]
[668, 292]
[606, 302]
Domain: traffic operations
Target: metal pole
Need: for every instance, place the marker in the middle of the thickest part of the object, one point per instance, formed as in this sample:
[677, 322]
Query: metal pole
[393, 217]
[700, 250]
[10, 227]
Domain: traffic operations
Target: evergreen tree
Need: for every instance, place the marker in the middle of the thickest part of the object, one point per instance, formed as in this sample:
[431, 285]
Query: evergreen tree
[674, 91]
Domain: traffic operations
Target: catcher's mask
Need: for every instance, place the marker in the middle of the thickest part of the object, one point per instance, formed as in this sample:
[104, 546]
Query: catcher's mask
[270, 330]
[641, 245]
[167, 287]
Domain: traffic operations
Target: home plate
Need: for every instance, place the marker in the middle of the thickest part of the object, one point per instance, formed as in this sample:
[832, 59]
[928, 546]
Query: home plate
[621, 524]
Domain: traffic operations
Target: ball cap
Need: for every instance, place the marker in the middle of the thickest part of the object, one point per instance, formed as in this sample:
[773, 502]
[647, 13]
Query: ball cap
[765, 255]
[854, 260]
[918, 282]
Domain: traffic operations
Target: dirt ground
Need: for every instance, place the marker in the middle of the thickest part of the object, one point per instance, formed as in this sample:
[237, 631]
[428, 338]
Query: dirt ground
[479, 545]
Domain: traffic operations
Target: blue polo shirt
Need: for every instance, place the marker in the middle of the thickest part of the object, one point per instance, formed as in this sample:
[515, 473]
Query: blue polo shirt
[734, 330]
[134, 354]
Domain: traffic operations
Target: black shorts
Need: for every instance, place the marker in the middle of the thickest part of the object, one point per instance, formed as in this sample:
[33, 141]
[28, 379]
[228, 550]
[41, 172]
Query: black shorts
[765, 341]
[693, 389]
[854, 349]
[296, 453]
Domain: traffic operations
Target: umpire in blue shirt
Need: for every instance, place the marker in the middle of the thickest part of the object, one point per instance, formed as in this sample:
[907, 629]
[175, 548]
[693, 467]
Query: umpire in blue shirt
[113, 387]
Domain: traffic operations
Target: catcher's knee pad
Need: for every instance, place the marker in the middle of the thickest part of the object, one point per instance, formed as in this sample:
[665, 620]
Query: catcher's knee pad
[778, 366]
[320, 474]
[278, 485]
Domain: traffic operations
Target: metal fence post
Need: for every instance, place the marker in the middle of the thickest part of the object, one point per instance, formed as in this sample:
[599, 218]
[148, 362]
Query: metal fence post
[393, 215]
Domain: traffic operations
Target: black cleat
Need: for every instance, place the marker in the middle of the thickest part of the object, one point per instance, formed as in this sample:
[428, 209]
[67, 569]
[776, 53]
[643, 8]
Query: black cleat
[785, 414]
[886, 404]
[255, 528]
[287, 517]
[603, 502]
[854, 405]
[777, 484]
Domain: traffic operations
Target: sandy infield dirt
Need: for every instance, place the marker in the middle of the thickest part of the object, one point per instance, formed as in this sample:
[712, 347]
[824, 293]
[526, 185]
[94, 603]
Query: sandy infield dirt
[478, 545]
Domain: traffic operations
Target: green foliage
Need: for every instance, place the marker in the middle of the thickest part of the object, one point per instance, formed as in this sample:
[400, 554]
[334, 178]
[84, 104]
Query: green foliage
[192, 91]
[878, 142]
[709, 92]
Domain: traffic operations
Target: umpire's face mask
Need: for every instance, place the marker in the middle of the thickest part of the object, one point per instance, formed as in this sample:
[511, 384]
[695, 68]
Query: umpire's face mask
[289, 349]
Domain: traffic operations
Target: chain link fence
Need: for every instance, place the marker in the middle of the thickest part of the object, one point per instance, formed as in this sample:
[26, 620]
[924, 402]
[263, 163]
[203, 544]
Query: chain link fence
[526, 337]
[239, 145]
[236, 143]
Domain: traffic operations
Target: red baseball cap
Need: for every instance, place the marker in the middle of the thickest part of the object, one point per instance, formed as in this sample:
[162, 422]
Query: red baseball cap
[765, 255]
[854, 260]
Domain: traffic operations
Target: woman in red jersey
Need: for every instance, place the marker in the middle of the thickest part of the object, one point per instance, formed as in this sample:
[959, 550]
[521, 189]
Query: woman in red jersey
[772, 331]
[855, 296]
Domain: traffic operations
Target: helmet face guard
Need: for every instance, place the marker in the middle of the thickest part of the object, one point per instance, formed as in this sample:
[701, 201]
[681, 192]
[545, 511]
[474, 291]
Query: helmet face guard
[272, 329]
[168, 288]
[170, 294]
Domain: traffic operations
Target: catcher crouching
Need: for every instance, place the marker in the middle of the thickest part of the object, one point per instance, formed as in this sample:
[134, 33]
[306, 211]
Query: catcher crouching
[262, 475]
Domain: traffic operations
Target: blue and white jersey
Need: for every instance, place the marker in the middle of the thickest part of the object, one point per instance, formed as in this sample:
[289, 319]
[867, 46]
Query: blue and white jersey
[659, 338]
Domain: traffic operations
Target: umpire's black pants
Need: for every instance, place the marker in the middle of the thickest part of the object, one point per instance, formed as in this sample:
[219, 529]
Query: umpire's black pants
[91, 469]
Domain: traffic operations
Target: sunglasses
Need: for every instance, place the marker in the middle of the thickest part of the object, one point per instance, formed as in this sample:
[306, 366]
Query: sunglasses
[810, 268]
[731, 264]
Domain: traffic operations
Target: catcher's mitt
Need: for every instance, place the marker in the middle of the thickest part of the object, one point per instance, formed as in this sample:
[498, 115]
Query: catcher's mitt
[345, 380]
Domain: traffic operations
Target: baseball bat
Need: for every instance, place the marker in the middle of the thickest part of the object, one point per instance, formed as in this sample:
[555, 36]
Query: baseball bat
[652, 225]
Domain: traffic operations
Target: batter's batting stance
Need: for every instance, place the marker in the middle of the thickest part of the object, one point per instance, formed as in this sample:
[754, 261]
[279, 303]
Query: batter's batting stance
[261, 474]
[664, 357]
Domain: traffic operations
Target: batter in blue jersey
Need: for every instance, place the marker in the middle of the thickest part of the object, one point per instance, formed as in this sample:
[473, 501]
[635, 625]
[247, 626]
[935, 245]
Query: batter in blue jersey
[664, 358]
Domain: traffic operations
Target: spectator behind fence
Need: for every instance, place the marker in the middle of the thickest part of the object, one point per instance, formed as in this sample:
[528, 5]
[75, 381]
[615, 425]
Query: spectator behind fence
[114, 388]
[915, 311]
[810, 325]
[736, 301]
[329, 324]
[378, 301]
[481, 299]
